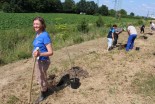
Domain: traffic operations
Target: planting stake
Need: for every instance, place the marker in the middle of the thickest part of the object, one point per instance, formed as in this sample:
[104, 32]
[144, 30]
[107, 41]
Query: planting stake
[35, 59]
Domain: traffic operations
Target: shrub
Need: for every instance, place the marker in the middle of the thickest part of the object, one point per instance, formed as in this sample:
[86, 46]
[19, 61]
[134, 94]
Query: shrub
[99, 22]
[78, 40]
[109, 25]
[140, 22]
[2, 62]
[12, 100]
[65, 36]
[83, 26]
[23, 55]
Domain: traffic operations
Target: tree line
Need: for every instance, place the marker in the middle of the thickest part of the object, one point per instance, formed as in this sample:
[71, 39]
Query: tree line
[56, 6]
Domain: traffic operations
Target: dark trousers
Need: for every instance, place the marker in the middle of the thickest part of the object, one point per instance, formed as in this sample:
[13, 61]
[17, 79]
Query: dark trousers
[142, 30]
[115, 39]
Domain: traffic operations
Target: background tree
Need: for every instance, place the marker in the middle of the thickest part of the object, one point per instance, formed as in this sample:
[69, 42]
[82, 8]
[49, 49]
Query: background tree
[81, 6]
[91, 7]
[68, 6]
[103, 10]
[56, 6]
[6, 7]
[123, 13]
[112, 12]
[1, 5]
[17, 6]
[24, 6]
[132, 14]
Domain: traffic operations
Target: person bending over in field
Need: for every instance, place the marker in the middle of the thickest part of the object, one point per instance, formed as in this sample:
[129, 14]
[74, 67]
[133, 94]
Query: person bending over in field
[132, 32]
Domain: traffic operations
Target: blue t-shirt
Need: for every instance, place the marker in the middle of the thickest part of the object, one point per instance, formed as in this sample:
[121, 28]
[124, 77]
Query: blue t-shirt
[112, 30]
[41, 41]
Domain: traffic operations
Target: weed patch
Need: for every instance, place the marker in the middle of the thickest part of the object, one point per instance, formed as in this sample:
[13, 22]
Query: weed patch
[12, 100]
[144, 83]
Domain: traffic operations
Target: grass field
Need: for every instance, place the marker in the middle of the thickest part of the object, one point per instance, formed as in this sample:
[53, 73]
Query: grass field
[16, 32]
[23, 20]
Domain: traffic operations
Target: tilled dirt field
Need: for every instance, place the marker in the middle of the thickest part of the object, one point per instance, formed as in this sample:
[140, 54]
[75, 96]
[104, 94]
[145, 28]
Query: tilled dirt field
[108, 76]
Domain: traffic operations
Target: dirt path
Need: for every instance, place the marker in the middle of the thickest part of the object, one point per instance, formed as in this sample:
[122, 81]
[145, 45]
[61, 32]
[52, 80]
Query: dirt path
[110, 74]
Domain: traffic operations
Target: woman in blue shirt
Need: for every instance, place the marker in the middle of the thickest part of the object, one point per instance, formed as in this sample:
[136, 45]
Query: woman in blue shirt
[43, 41]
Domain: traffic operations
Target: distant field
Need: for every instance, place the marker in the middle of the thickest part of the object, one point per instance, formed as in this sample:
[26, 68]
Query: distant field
[22, 20]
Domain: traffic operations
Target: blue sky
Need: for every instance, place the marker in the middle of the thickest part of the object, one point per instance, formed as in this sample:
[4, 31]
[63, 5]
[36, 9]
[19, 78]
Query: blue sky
[139, 7]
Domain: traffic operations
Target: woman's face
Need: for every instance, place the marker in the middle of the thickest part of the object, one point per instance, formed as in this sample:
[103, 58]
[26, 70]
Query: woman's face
[37, 25]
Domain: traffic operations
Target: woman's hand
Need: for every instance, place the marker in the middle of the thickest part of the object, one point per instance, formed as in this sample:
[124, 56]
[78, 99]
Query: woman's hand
[36, 53]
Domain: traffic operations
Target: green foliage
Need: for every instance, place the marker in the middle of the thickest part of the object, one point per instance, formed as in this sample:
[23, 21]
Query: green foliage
[123, 12]
[109, 25]
[58, 6]
[12, 100]
[2, 62]
[16, 32]
[65, 36]
[83, 26]
[6, 7]
[91, 7]
[15, 44]
[99, 22]
[78, 40]
[23, 55]
[132, 14]
[69, 6]
[81, 6]
[144, 83]
[103, 10]
[140, 22]
[112, 12]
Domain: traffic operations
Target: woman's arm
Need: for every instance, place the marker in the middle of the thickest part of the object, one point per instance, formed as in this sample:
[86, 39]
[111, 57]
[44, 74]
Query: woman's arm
[48, 53]
[49, 50]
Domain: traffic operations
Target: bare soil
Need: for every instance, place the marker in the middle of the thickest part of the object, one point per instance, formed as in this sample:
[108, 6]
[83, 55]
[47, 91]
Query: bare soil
[110, 74]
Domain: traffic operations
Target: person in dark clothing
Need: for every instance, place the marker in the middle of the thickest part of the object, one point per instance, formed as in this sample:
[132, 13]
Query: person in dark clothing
[142, 29]
[116, 33]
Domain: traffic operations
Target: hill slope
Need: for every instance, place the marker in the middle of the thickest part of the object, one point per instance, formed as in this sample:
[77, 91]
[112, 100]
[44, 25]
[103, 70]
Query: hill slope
[111, 78]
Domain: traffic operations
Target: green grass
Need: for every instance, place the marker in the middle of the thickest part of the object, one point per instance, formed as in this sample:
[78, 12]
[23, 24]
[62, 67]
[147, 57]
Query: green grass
[12, 100]
[144, 83]
[22, 20]
[16, 32]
